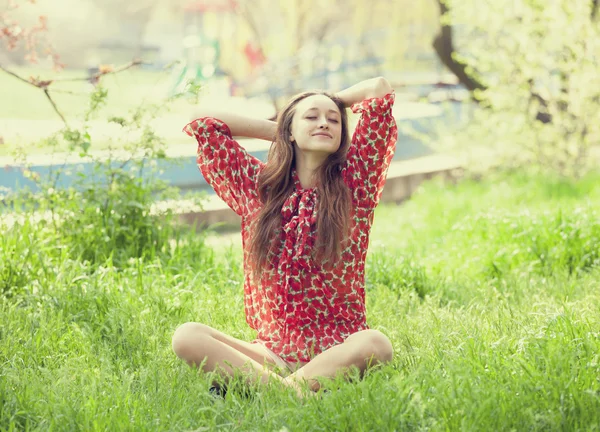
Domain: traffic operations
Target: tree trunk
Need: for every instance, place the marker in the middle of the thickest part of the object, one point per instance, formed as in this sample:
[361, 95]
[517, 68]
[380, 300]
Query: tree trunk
[443, 45]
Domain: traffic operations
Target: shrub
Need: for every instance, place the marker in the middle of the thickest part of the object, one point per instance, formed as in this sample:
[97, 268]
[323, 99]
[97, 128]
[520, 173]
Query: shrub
[536, 62]
[107, 216]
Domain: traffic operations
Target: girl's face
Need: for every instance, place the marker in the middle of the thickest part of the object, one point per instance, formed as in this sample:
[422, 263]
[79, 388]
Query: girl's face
[317, 125]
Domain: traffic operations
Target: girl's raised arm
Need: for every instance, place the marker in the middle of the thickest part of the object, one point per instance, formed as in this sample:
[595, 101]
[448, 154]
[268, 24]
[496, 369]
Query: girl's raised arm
[225, 164]
[242, 126]
[374, 139]
[368, 89]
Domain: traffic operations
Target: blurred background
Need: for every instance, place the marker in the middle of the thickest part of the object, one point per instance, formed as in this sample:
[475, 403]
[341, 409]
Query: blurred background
[257, 44]
[509, 84]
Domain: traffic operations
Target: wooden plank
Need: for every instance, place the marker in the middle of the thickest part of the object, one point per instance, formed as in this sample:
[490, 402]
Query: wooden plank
[403, 178]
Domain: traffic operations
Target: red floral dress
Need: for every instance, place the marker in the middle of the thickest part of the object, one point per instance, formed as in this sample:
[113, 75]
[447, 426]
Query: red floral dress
[301, 308]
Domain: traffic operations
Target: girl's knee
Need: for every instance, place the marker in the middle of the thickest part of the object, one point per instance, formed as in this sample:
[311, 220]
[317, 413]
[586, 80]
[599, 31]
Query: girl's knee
[187, 337]
[378, 346]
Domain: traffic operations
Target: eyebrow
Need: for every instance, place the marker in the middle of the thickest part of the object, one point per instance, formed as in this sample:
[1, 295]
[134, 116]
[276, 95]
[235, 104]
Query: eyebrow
[329, 111]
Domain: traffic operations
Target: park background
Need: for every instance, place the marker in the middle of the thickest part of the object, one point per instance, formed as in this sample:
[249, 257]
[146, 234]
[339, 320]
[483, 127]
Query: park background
[485, 276]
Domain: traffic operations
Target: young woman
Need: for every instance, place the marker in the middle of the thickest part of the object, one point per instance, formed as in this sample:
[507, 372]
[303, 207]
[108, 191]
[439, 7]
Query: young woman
[306, 216]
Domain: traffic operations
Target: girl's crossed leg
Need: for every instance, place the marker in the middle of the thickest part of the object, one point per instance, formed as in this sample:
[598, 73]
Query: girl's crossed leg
[197, 343]
[360, 350]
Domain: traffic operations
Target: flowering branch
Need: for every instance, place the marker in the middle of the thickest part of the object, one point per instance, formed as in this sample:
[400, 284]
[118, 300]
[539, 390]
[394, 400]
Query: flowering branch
[33, 38]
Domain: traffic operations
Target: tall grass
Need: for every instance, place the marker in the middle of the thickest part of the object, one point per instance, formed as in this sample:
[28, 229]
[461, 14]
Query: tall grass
[488, 291]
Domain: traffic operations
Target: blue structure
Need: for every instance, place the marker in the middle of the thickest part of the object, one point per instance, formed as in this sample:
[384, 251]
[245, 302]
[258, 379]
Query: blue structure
[181, 170]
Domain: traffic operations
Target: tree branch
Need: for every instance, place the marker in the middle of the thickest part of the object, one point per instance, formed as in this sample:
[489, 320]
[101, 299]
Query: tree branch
[15, 75]
[53, 90]
[44, 85]
[55, 107]
[107, 71]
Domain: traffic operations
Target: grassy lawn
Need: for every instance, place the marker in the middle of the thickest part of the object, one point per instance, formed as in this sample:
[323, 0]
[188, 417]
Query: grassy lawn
[488, 291]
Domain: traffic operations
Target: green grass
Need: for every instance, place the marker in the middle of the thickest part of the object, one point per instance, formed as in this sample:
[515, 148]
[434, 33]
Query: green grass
[488, 291]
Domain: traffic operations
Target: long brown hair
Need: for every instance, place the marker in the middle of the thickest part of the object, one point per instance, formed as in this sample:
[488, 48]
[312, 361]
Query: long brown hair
[275, 185]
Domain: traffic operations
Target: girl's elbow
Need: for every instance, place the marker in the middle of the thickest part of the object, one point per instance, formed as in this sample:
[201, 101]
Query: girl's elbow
[382, 87]
[379, 88]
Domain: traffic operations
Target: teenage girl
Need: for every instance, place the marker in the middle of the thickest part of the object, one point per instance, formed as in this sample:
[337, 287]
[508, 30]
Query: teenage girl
[306, 216]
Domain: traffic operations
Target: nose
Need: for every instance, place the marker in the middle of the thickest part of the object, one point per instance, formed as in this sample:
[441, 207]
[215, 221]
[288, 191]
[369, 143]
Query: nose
[324, 124]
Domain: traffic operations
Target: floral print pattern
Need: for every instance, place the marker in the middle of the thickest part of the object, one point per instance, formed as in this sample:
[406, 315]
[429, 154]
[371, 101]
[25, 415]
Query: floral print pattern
[300, 307]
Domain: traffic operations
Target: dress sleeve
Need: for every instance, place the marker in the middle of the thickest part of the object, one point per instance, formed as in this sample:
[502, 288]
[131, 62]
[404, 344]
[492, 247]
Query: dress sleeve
[371, 150]
[227, 167]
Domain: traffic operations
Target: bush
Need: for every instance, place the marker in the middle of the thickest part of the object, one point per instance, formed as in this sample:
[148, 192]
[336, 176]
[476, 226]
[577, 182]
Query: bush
[537, 62]
[108, 216]
[113, 221]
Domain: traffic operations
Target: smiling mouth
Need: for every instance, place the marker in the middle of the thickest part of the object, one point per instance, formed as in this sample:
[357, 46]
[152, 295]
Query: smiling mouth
[322, 134]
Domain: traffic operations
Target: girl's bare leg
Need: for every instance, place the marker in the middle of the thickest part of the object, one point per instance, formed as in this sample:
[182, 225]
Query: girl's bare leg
[197, 343]
[361, 350]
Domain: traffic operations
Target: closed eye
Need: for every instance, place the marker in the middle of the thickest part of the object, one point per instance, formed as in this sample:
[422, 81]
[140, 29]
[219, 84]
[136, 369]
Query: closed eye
[333, 121]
